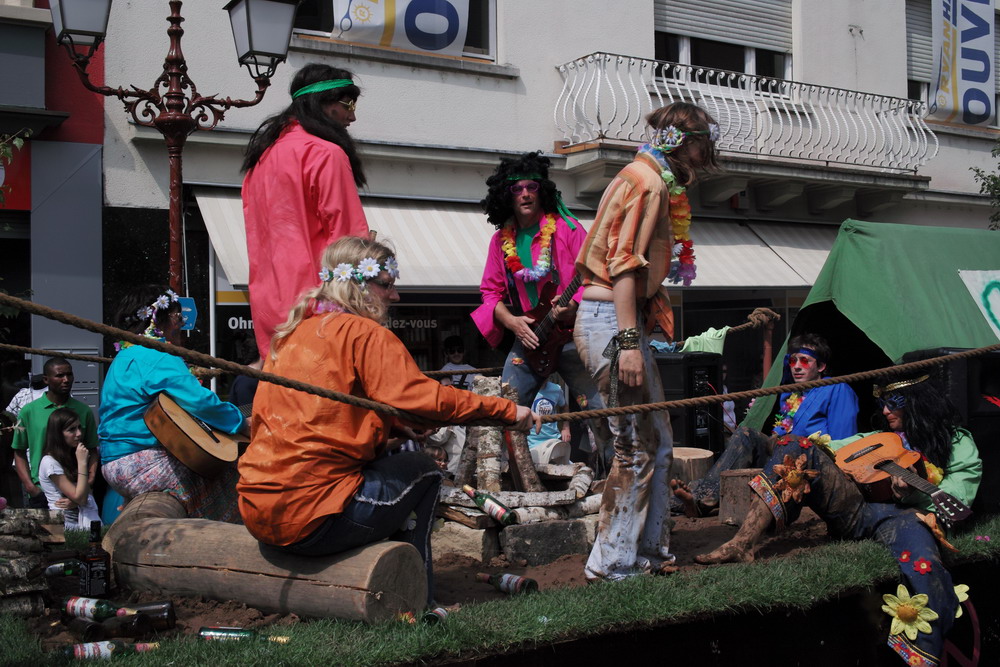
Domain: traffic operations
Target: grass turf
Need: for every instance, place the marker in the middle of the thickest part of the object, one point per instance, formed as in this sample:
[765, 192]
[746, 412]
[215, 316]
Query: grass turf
[490, 628]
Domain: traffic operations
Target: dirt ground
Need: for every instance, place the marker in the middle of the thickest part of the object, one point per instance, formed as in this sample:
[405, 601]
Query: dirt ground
[454, 579]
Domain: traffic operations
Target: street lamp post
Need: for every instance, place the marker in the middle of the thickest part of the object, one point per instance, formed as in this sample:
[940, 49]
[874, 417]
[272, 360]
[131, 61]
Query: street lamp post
[261, 29]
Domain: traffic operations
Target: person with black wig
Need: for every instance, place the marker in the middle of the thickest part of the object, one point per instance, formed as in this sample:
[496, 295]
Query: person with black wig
[802, 472]
[300, 192]
[536, 243]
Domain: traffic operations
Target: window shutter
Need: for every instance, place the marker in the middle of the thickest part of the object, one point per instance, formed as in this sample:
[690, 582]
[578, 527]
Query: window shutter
[762, 24]
[919, 41]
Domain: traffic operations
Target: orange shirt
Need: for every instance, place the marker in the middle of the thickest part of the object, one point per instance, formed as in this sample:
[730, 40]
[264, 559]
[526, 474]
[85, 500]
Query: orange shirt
[307, 453]
[632, 231]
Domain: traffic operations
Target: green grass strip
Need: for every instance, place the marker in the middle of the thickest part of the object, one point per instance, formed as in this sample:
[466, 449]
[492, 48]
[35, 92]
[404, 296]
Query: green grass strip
[798, 582]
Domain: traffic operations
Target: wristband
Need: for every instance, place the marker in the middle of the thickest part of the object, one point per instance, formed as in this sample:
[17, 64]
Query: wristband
[628, 339]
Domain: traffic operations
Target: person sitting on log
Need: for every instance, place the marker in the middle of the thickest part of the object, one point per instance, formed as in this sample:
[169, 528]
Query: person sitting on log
[801, 471]
[132, 459]
[830, 410]
[314, 480]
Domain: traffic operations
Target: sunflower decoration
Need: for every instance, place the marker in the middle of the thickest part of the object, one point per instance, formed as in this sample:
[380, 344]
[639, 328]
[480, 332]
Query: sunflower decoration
[910, 615]
[930, 520]
[962, 593]
[794, 482]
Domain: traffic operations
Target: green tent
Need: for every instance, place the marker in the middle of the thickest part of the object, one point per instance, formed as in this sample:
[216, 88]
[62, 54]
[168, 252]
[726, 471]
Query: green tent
[888, 289]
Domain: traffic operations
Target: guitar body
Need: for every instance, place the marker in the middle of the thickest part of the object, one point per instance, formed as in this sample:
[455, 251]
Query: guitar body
[552, 334]
[202, 449]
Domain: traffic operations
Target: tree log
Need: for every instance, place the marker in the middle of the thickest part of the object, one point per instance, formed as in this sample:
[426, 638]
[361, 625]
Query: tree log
[154, 505]
[490, 442]
[23, 605]
[735, 495]
[589, 505]
[222, 561]
[690, 463]
[520, 455]
[512, 499]
[467, 460]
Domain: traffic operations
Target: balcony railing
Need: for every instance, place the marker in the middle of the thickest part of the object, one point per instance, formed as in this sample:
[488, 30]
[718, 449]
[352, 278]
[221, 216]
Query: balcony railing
[607, 96]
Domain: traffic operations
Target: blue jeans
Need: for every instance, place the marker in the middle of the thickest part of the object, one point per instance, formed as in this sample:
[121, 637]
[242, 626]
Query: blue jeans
[633, 534]
[839, 502]
[574, 373]
[393, 487]
[746, 448]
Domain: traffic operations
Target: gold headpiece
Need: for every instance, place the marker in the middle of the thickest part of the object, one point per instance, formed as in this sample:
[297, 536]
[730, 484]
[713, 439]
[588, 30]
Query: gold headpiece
[878, 391]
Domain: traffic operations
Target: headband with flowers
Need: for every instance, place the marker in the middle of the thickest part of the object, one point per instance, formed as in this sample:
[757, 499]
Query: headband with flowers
[149, 312]
[366, 269]
[670, 138]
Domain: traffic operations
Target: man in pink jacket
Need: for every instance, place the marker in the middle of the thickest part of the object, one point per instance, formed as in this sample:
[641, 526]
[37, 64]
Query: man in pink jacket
[300, 192]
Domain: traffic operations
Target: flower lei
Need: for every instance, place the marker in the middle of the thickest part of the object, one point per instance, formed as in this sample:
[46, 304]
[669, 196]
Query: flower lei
[788, 409]
[162, 302]
[544, 263]
[682, 266]
[366, 269]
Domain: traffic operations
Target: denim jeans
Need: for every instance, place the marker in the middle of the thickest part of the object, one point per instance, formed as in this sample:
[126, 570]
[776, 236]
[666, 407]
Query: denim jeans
[746, 448]
[393, 487]
[633, 534]
[574, 373]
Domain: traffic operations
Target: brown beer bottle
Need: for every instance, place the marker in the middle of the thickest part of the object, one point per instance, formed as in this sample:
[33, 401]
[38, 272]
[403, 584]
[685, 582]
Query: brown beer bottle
[95, 576]
[133, 626]
[508, 583]
[86, 630]
[161, 614]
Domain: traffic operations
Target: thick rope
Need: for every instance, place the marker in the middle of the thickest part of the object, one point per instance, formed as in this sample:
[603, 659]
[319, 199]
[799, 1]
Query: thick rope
[54, 353]
[209, 361]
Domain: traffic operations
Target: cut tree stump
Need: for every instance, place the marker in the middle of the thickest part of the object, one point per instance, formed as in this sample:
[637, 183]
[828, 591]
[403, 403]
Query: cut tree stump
[735, 495]
[690, 463]
[489, 441]
[222, 561]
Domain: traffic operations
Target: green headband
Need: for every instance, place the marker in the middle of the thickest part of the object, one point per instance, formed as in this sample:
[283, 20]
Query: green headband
[561, 207]
[321, 86]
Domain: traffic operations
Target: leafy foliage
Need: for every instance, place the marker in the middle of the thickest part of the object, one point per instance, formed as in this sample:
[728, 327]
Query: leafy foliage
[989, 184]
[8, 144]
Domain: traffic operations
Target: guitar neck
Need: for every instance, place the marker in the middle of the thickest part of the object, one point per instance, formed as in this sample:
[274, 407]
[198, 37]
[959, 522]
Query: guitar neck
[543, 328]
[910, 477]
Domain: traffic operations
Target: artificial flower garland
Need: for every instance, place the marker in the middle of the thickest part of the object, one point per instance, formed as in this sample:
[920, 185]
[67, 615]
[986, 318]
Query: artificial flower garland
[784, 420]
[544, 264]
[682, 266]
[366, 269]
[162, 302]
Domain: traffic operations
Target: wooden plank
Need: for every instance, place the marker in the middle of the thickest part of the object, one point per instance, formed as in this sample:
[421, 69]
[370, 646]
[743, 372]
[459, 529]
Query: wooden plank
[473, 518]
[512, 499]
[735, 495]
[558, 471]
[521, 466]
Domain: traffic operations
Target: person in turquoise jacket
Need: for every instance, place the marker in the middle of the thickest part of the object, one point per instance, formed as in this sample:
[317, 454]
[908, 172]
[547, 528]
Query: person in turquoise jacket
[801, 471]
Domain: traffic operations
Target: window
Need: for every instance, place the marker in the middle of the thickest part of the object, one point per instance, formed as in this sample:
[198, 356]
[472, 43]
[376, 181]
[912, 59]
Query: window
[722, 55]
[317, 17]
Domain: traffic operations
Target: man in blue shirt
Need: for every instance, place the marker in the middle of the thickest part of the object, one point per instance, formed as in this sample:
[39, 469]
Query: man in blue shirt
[831, 410]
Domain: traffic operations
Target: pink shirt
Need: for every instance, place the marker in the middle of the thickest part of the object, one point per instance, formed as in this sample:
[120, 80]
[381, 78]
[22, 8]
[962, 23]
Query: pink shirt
[566, 244]
[298, 199]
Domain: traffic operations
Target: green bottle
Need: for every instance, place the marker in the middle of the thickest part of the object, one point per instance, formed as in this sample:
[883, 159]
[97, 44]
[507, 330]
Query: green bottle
[92, 608]
[229, 634]
[508, 583]
[106, 649]
[435, 616]
[491, 506]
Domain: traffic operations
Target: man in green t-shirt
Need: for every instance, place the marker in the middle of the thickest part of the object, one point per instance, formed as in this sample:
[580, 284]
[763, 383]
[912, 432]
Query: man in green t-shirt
[29, 433]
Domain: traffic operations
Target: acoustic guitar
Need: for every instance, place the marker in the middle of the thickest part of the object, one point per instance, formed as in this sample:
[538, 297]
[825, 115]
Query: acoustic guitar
[197, 445]
[874, 459]
[552, 334]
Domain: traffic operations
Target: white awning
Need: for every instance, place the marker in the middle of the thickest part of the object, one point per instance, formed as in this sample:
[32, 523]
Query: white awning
[442, 246]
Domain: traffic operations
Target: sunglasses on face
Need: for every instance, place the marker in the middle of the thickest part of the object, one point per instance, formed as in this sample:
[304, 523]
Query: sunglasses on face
[350, 105]
[517, 189]
[892, 401]
[801, 360]
[453, 350]
[384, 284]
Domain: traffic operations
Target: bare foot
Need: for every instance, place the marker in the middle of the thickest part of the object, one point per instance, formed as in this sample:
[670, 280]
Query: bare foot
[727, 553]
[682, 492]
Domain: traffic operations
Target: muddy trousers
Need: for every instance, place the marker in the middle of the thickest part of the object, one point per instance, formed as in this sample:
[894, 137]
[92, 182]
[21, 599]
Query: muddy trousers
[746, 448]
[839, 502]
[633, 534]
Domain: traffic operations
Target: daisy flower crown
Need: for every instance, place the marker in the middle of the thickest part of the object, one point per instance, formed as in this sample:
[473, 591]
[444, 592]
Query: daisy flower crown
[670, 138]
[162, 302]
[366, 269]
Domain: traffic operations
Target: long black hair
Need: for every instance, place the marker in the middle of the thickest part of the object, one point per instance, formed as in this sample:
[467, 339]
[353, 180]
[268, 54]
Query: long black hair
[308, 110]
[930, 419]
[127, 316]
[55, 441]
[498, 205]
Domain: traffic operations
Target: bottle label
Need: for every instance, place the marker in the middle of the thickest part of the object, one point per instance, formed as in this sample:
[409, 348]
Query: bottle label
[94, 650]
[81, 607]
[511, 583]
[495, 510]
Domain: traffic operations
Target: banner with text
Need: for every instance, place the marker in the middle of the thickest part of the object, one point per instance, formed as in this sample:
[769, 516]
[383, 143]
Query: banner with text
[438, 26]
[964, 90]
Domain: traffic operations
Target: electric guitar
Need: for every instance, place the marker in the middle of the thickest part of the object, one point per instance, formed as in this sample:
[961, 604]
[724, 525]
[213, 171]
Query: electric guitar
[197, 445]
[872, 460]
[552, 334]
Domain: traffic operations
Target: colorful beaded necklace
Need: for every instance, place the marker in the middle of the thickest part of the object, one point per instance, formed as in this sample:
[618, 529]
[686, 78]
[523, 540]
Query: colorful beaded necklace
[783, 422]
[543, 265]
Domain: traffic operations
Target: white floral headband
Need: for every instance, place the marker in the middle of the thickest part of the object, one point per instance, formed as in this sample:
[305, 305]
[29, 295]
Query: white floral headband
[366, 269]
[670, 138]
[149, 312]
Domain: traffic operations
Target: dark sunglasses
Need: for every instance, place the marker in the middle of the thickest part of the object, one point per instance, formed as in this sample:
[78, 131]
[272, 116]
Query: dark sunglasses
[892, 401]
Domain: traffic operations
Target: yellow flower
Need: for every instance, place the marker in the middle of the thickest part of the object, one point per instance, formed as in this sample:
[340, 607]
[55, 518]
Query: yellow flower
[909, 614]
[962, 591]
[820, 438]
[934, 474]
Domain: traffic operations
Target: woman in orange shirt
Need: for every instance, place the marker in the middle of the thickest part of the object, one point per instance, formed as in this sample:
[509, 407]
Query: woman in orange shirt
[315, 480]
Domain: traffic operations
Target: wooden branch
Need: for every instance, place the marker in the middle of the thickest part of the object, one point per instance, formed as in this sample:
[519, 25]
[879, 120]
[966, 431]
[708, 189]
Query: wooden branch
[490, 442]
[520, 459]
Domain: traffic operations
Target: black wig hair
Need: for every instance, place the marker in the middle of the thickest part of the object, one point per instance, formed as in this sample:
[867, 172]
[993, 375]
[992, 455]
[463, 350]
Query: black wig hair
[308, 110]
[497, 204]
[930, 419]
